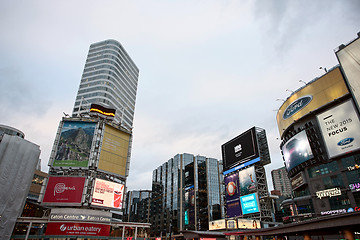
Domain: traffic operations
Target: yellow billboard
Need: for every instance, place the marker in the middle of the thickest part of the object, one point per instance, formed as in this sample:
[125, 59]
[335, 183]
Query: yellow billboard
[114, 151]
[316, 94]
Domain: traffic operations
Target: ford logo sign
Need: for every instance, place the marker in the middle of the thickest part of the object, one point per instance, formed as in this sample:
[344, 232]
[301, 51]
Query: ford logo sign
[296, 106]
[345, 141]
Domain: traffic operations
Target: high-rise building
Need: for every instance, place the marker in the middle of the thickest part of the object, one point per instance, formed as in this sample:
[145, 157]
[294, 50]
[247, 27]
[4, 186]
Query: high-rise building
[137, 206]
[110, 79]
[281, 181]
[186, 194]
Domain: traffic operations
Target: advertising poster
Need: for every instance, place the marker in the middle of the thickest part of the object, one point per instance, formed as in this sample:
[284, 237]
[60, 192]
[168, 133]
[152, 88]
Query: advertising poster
[74, 145]
[340, 127]
[114, 151]
[217, 224]
[232, 195]
[297, 150]
[78, 229]
[64, 190]
[247, 180]
[240, 149]
[107, 194]
[248, 223]
[249, 203]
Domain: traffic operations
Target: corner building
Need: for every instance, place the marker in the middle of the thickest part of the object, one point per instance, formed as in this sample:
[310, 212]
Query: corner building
[110, 79]
[186, 194]
[320, 131]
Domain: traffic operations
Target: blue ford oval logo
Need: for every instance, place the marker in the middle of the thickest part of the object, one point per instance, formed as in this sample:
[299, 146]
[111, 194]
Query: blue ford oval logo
[345, 141]
[296, 106]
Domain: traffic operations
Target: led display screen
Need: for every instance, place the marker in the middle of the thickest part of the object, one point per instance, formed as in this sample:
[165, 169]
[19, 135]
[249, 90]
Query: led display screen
[64, 190]
[74, 145]
[297, 150]
[107, 194]
[247, 179]
[249, 203]
[232, 195]
[240, 149]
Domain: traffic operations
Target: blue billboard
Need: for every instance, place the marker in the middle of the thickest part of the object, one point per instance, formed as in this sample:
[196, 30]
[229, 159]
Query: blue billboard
[249, 203]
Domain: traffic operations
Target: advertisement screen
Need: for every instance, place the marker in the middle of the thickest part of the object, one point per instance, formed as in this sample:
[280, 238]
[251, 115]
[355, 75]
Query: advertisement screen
[217, 224]
[114, 151]
[78, 229]
[64, 190]
[248, 223]
[313, 96]
[232, 195]
[107, 194]
[340, 127]
[247, 179]
[74, 145]
[249, 203]
[240, 149]
[297, 150]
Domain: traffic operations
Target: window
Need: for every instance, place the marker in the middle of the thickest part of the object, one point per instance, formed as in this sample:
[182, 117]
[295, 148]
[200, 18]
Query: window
[323, 169]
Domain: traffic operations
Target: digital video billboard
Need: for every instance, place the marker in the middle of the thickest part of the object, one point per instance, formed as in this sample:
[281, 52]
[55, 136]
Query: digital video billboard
[296, 150]
[340, 128]
[240, 149]
[247, 179]
[64, 190]
[232, 195]
[114, 151]
[74, 145]
[108, 194]
[249, 203]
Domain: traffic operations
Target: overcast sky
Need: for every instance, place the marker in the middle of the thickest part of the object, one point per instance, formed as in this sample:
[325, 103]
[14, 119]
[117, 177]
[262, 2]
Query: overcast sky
[209, 69]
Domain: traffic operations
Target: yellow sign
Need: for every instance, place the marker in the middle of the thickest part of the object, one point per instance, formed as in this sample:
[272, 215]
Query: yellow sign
[114, 151]
[317, 94]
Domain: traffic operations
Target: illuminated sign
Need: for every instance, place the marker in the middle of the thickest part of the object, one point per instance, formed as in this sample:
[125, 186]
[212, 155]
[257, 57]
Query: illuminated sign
[328, 193]
[74, 214]
[248, 223]
[249, 203]
[242, 166]
[231, 224]
[340, 211]
[351, 168]
[247, 180]
[78, 229]
[232, 195]
[296, 106]
[107, 194]
[354, 187]
[102, 111]
[340, 127]
[217, 224]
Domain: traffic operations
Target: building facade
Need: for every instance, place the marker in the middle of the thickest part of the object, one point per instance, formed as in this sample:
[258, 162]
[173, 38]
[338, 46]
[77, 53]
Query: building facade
[281, 181]
[137, 206]
[109, 79]
[320, 131]
[186, 194]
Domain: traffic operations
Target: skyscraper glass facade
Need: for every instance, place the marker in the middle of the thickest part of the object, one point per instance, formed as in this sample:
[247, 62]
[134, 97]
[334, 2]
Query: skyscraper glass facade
[110, 79]
[186, 194]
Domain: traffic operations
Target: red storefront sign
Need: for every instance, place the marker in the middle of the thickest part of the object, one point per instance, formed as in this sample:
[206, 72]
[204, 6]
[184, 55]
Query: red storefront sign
[64, 190]
[78, 229]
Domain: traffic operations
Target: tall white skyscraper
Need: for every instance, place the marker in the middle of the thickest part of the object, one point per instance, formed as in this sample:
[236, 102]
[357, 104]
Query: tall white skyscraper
[109, 79]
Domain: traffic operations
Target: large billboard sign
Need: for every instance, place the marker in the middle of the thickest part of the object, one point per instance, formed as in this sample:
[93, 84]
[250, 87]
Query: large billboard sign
[101, 111]
[64, 190]
[247, 179]
[73, 149]
[311, 97]
[107, 194]
[348, 57]
[250, 203]
[114, 151]
[296, 150]
[244, 223]
[77, 229]
[232, 195]
[240, 149]
[217, 224]
[340, 127]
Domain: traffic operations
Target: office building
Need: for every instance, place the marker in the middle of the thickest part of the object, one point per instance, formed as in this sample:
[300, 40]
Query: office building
[186, 194]
[109, 79]
[281, 181]
[137, 206]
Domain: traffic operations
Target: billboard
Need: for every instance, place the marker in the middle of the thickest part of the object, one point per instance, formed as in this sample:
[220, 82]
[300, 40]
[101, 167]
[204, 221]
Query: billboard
[296, 150]
[98, 110]
[250, 203]
[232, 195]
[64, 190]
[240, 149]
[248, 223]
[114, 151]
[78, 229]
[311, 97]
[217, 224]
[247, 179]
[349, 60]
[107, 194]
[73, 149]
[340, 127]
